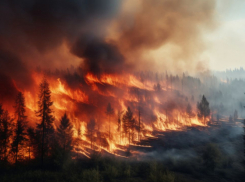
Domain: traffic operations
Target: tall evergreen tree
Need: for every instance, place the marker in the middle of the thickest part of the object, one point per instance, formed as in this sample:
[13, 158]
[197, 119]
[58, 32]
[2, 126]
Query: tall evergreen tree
[128, 123]
[45, 128]
[5, 133]
[65, 133]
[20, 125]
[203, 109]
[109, 113]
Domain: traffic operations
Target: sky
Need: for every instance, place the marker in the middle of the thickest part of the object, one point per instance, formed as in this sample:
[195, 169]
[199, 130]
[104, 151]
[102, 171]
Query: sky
[227, 42]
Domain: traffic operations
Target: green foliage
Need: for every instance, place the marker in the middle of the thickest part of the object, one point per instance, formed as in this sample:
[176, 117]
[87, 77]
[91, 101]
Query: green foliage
[91, 175]
[157, 173]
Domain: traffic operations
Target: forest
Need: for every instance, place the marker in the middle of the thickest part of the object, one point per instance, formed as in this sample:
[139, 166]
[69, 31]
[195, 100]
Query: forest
[122, 90]
[197, 143]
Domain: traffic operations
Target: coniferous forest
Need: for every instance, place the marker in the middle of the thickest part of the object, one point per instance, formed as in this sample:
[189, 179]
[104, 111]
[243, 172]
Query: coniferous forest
[122, 90]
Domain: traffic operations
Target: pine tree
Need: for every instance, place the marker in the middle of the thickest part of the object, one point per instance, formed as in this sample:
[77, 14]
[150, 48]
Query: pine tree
[45, 128]
[203, 109]
[20, 125]
[65, 133]
[109, 113]
[128, 123]
[5, 133]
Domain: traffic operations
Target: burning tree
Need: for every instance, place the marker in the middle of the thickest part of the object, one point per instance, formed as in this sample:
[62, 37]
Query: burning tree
[109, 113]
[20, 125]
[128, 123]
[31, 140]
[65, 133]
[5, 132]
[45, 128]
[63, 141]
[203, 109]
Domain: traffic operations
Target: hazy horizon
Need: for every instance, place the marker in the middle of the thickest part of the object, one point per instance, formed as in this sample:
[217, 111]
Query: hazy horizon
[227, 41]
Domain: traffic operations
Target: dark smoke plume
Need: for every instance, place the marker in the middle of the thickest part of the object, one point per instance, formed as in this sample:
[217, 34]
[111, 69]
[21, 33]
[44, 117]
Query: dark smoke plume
[100, 36]
[99, 56]
[31, 30]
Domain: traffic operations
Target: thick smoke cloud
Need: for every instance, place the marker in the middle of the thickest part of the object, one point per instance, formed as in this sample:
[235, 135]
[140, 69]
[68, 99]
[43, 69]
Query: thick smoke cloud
[100, 36]
[99, 56]
[167, 31]
[30, 30]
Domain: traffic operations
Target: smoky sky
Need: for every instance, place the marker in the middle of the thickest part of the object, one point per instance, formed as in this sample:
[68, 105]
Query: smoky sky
[31, 29]
[99, 56]
[175, 27]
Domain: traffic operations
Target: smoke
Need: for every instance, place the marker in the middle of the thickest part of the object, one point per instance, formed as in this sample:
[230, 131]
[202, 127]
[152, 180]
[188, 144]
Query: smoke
[41, 32]
[176, 147]
[107, 36]
[164, 34]
[100, 36]
[99, 56]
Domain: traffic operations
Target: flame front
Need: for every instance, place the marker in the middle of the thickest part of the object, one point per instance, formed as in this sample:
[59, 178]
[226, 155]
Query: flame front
[153, 105]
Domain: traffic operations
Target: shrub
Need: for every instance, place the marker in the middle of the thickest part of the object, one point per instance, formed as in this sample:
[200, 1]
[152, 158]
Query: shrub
[91, 175]
[211, 156]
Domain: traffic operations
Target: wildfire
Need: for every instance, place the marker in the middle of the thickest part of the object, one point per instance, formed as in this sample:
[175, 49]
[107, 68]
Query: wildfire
[121, 90]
